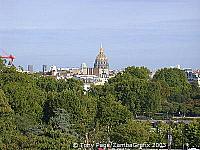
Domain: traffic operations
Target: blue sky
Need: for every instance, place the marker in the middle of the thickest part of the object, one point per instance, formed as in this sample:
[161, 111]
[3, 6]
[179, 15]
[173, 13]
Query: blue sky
[152, 33]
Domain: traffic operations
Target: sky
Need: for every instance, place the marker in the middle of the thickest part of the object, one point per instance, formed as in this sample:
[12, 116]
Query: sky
[66, 33]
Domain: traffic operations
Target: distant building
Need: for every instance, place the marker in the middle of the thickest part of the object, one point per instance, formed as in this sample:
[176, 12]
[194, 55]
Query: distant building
[193, 76]
[84, 68]
[101, 66]
[44, 69]
[54, 71]
[196, 74]
[97, 75]
[87, 78]
[189, 74]
[74, 71]
[90, 71]
[30, 68]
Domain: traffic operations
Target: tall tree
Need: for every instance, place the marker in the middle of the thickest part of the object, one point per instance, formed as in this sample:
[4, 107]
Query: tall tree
[177, 83]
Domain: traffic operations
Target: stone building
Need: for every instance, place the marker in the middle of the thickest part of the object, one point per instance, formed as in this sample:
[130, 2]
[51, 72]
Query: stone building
[101, 66]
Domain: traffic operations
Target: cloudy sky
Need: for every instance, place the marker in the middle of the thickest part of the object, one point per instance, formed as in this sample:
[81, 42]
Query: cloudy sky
[66, 33]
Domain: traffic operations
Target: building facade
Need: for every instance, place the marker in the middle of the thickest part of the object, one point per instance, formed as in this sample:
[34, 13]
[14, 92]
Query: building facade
[193, 76]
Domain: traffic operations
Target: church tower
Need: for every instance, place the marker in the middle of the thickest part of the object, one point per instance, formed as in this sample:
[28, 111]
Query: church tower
[101, 66]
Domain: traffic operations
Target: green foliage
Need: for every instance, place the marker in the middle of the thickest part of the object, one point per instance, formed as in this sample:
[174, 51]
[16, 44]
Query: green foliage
[192, 134]
[174, 79]
[4, 105]
[61, 120]
[49, 84]
[110, 112]
[195, 94]
[131, 132]
[135, 90]
[178, 135]
[39, 112]
[132, 72]
[22, 107]
[1, 65]
[25, 99]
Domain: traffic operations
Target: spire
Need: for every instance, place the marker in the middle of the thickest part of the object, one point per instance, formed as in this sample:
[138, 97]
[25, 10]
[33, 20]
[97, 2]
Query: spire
[101, 45]
[101, 48]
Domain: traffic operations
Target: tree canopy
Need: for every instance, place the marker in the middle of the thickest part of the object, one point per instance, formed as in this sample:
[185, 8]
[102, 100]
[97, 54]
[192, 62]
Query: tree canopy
[38, 112]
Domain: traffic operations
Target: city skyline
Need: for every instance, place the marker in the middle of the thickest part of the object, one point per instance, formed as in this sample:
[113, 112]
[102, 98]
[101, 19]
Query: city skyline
[151, 33]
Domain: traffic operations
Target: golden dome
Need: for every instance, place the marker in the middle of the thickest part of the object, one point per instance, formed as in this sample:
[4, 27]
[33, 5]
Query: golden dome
[101, 60]
[101, 56]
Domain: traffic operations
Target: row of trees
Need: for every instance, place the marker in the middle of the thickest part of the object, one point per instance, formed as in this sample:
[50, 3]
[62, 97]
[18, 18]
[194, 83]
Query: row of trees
[43, 113]
[168, 91]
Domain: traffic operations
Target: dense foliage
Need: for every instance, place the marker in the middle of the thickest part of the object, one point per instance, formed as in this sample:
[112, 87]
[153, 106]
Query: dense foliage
[178, 95]
[39, 112]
